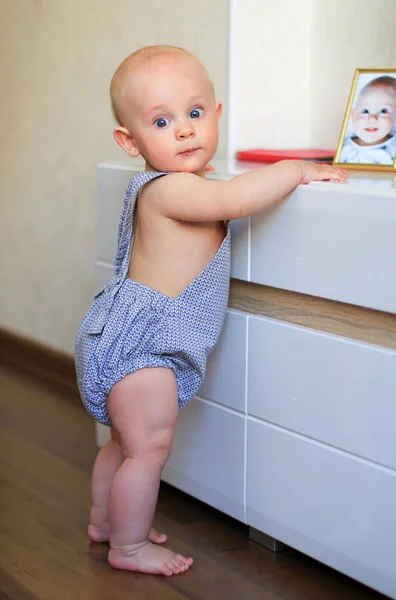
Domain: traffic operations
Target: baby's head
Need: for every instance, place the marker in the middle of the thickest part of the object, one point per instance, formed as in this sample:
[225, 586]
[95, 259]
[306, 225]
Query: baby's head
[375, 111]
[163, 100]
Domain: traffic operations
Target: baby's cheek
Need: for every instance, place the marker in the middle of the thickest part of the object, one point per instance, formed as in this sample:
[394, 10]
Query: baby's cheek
[358, 124]
[389, 122]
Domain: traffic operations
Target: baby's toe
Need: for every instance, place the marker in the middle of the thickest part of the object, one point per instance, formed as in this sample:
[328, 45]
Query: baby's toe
[176, 568]
[167, 569]
[187, 561]
[181, 564]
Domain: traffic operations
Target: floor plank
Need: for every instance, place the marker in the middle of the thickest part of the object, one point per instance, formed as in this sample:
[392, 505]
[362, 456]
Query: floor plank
[47, 448]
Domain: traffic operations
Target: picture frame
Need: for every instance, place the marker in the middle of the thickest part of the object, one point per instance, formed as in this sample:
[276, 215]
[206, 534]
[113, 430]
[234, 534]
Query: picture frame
[368, 135]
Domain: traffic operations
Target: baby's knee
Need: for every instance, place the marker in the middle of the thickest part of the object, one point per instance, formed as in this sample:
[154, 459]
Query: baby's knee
[156, 447]
[151, 446]
[160, 446]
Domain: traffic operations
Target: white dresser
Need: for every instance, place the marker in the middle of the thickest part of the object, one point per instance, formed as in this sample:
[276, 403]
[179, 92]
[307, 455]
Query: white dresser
[293, 431]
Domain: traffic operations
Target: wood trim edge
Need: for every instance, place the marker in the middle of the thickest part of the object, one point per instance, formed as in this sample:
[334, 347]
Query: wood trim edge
[33, 359]
[354, 322]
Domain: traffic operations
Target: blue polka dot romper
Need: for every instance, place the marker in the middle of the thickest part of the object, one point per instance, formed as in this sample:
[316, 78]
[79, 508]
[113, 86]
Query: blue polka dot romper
[131, 326]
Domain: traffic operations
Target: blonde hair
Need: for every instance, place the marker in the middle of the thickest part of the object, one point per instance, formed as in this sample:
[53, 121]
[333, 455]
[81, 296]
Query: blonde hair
[142, 57]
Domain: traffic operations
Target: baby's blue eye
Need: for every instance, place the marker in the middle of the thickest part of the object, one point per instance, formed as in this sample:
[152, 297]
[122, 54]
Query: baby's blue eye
[384, 111]
[196, 113]
[161, 122]
[365, 111]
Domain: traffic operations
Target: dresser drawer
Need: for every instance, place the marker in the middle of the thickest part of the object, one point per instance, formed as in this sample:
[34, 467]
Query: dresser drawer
[240, 235]
[331, 241]
[333, 389]
[208, 456]
[332, 506]
[225, 379]
[110, 190]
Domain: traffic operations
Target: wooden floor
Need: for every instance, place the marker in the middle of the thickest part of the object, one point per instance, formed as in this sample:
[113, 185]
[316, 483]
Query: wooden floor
[47, 449]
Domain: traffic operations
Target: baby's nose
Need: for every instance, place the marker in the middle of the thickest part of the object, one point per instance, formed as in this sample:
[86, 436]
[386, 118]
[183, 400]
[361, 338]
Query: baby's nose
[185, 130]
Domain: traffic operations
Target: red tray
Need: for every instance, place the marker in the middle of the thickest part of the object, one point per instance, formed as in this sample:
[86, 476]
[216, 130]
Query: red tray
[272, 156]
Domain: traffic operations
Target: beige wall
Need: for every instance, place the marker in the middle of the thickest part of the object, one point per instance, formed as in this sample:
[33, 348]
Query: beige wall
[293, 65]
[56, 61]
[270, 78]
[348, 34]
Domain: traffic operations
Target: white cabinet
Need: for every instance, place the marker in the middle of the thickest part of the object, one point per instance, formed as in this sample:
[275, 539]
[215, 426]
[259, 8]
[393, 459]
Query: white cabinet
[110, 191]
[330, 505]
[208, 456]
[293, 430]
[333, 389]
[225, 379]
[103, 274]
[331, 241]
[240, 254]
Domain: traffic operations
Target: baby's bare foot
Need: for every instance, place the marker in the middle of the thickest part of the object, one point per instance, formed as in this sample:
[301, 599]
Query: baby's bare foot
[147, 558]
[101, 534]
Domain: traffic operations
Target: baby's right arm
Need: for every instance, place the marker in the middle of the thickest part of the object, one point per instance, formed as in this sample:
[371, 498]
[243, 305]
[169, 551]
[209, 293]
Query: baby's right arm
[187, 197]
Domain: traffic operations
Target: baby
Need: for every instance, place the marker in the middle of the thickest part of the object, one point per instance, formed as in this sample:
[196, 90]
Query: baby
[373, 119]
[141, 349]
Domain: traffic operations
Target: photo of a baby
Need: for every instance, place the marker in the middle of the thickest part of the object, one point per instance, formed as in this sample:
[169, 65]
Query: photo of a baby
[368, 135]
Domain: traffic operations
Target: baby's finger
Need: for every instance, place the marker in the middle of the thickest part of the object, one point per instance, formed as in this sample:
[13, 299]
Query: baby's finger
[343, 172]
[334, 173]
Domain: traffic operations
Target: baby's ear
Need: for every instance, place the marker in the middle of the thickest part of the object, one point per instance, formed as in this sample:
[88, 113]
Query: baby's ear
[124, 139]
[219, 109]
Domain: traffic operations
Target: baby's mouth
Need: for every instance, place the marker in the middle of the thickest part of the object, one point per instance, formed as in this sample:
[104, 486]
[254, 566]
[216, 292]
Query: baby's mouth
[371, 129]
[188, 151]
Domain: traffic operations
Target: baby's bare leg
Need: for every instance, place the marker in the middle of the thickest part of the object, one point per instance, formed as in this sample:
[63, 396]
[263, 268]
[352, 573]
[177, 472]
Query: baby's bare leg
[143, 412]
[107, 463]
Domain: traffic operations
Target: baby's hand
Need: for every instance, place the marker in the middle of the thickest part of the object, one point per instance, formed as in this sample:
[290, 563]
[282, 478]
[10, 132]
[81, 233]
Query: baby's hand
[319, 172]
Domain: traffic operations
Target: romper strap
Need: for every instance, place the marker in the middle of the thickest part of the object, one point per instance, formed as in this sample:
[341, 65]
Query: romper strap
[125, 228]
